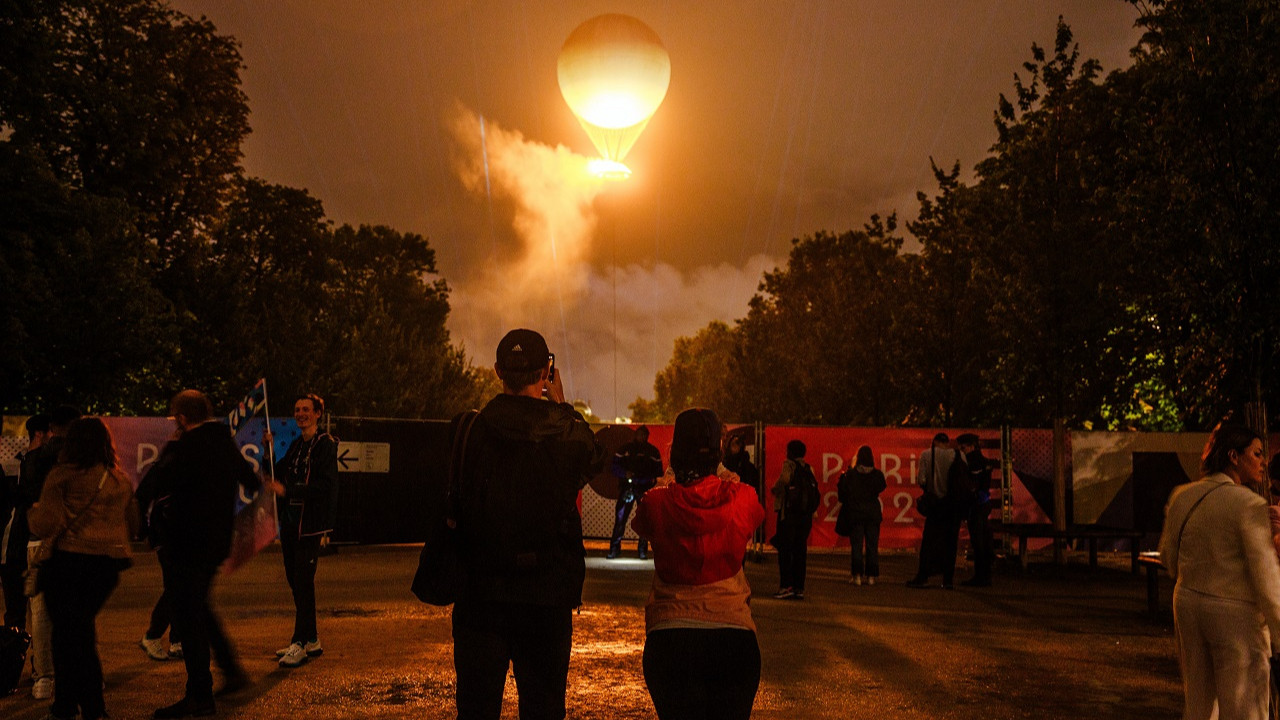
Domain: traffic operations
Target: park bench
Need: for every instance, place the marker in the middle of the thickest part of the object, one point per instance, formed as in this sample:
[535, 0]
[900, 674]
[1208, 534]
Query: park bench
[1150, 562]
[1090, 533]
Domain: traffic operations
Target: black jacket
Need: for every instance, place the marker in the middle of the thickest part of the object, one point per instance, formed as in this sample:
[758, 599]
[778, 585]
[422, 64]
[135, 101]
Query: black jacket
[859, 495]
[637, 465]
[740, 463]
[525, 461]
[201, 475]
[35, 468]
[309, 473]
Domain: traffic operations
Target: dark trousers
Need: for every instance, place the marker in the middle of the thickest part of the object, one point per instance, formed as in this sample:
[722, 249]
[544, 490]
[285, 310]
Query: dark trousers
[868, 563]
[702, 673]
[188, 584]
[622, 511]
[793, 552]
[981, 544]
[75, 588]
[15, 601]
[535, 640]
[938, 546]
[301, 555]
[162, 615]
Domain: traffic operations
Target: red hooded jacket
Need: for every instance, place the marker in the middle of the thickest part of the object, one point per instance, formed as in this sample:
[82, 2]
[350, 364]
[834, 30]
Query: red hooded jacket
[699, 532]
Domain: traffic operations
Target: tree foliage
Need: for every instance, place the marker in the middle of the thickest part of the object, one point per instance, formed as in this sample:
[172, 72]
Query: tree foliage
[1115, 262]
[138, 259]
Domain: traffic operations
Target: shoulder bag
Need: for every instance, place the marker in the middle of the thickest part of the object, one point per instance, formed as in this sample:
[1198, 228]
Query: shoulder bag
[441, 575]
[44, 551]
[928, 504]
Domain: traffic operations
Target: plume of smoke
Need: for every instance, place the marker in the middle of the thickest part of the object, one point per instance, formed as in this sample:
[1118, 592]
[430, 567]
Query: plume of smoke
[552, 193]
[611, 329]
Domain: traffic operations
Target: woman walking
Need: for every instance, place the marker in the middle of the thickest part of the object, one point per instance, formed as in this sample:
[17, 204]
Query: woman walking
[86, 513]
[1217, 545]
[701, 659]
[860, 516]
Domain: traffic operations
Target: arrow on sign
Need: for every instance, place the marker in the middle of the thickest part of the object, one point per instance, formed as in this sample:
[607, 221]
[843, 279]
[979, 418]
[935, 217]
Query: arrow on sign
[344, 457]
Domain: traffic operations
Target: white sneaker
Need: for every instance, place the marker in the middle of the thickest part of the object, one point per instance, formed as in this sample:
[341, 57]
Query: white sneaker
[856, 579]
[293, 656]
[155, 648]
[175, 650]
[43, 689]
[871, 580]
[312, 649]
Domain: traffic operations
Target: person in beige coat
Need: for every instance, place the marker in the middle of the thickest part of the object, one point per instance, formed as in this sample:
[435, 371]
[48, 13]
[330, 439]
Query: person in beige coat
[1226, 603]
[86, 511]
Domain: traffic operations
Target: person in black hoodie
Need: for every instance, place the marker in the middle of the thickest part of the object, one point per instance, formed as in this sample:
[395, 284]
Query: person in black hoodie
[201, 475]
[738, 461]
[14, 532]
[977, 509]
[35, 468]
[860, 516]
[523, 460]
[306, 479]
[637, 465]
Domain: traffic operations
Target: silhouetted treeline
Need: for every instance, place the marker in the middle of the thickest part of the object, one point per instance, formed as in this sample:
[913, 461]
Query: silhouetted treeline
[138, 258]
[1116, 261]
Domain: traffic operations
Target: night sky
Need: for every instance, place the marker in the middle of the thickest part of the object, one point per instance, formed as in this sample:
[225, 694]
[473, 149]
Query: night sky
[782, 119]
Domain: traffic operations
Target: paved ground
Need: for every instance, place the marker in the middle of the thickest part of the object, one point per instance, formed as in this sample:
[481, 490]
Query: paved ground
[1058, 642]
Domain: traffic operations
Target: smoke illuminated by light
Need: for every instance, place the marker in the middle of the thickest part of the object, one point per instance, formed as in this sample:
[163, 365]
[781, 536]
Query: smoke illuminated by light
[547, 282]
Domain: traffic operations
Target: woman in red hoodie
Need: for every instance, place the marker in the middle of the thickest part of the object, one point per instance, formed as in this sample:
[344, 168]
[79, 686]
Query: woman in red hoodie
[701, 658]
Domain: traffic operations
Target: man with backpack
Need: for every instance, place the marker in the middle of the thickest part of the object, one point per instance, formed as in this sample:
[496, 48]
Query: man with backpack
[796, 498]
[522, 461]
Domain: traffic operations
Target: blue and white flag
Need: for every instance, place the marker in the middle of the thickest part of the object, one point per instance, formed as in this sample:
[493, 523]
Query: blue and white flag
[248, 407]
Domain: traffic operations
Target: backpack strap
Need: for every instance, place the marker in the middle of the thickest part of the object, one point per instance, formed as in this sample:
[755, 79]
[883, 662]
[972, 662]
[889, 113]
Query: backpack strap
[457, 459]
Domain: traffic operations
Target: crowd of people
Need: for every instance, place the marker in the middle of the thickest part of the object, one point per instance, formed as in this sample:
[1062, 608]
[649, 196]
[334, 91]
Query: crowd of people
[519, 465]
[73, 513]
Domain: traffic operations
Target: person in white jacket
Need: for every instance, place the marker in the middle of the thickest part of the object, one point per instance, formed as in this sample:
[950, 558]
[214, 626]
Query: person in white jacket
[1226, 602]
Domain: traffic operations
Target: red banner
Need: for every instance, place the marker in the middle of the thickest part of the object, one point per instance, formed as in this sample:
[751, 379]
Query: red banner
[830, 451]
[138, 441]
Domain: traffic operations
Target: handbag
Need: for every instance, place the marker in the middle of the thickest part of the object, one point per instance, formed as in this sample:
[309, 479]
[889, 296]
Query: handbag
[44, 551]
[928, 503]
[441, 573]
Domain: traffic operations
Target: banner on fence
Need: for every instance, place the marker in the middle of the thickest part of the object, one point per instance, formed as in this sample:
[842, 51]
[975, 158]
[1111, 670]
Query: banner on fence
[829, 452]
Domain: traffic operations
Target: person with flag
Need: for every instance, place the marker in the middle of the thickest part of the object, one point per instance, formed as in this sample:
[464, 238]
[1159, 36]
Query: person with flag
[306, 483]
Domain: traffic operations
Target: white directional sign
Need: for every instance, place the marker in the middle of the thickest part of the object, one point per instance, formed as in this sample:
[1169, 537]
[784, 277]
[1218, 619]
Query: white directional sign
[369, 457]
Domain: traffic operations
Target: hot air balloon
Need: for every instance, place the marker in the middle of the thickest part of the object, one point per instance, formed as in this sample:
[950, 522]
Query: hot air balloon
[613, 73]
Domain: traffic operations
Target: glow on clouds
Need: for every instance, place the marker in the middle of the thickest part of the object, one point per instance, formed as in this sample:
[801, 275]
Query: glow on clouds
[547, 284]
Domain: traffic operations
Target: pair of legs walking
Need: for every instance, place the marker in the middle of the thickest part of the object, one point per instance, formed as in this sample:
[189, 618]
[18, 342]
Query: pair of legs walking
[695, 673]
[793, 553]
[938, 546]
[534, 640]
[188, 584]
[1224, 655]
[621, 511]
[39, 624]
[981, 545]
[301, 556]
[864, 563]
[75, 587]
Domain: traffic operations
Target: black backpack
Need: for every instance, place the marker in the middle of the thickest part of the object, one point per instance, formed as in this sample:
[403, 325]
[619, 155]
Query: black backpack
[802, 498]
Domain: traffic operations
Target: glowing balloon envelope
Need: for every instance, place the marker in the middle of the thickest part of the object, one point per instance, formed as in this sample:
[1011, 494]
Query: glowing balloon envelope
[613, 73]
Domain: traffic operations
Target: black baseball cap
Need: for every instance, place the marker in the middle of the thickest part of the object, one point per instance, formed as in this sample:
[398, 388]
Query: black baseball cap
[521, 350]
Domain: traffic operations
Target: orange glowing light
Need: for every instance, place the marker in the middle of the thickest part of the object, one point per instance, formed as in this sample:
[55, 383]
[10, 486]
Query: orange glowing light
[614, 73]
